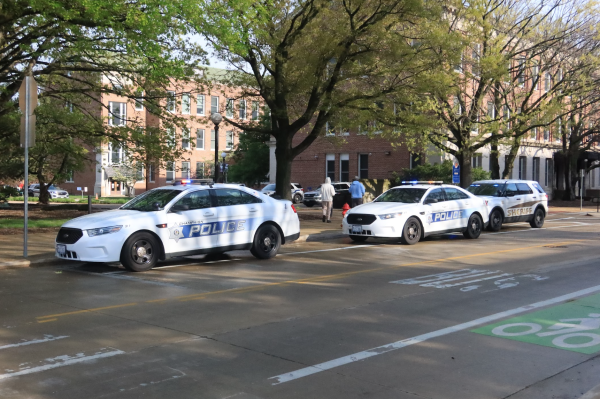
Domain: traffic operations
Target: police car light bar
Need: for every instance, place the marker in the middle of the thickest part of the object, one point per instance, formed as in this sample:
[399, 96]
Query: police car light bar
[421, 182]
[186, 181]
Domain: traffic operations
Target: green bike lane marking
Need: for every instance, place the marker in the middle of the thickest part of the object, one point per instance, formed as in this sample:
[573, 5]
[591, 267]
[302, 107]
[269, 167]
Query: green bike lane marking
[573, 326]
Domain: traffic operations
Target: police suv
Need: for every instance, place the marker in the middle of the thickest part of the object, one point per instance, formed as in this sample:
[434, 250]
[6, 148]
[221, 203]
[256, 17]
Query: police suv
[178, 221]
[415, 211]
[510, 201]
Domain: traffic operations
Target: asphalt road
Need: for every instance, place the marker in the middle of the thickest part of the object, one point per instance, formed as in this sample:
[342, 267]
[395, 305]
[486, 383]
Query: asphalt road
[446, 318]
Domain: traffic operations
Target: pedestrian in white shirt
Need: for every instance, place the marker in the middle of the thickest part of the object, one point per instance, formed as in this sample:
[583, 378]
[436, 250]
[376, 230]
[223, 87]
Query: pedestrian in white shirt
[327, 193]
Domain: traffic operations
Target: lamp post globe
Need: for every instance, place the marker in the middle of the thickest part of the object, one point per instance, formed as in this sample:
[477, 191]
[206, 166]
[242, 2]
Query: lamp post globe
[216, 118]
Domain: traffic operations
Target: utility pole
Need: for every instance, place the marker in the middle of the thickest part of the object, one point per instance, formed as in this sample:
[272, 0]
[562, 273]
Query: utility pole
[27, 103]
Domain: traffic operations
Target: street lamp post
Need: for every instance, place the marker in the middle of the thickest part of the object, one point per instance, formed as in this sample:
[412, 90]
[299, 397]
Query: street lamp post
[216, 118]
[223, 155]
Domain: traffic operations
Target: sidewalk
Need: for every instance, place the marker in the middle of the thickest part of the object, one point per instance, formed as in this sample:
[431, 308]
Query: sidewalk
[41, 245]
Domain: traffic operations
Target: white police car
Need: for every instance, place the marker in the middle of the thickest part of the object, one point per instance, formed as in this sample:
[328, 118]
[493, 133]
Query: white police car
[511, 201]
[181, 220]
[415, 211]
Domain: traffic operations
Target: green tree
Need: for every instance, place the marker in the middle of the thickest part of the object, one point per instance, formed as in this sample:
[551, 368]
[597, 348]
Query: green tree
[315, 62]
[251, 157]
[437, 172]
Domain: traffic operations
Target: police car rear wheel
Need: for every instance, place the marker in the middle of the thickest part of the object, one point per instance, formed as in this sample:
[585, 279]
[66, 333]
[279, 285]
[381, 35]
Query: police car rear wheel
[411, 233]
[297, 199]
[266, 242]
[538, 219]
[358, 238]
[495, 220]
[474, 227]
[140, 252]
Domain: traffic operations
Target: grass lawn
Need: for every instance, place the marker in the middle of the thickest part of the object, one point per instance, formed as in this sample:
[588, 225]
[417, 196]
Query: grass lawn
[18, 223]
[77, 200]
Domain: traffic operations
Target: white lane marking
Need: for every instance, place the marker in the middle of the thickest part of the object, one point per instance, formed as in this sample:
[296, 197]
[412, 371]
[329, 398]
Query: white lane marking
[438, 285]
[61, 361]
[531, 229]
[47, 338]
[199, 263]
[119, 276]
[317, 368]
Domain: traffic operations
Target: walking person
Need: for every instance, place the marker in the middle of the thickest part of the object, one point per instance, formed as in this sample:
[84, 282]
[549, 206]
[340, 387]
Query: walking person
[327, 193]
[357, 191]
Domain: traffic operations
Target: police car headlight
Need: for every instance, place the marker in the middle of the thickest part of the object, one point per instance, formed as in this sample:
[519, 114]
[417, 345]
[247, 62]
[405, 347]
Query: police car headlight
[103, 230]
[389, 215]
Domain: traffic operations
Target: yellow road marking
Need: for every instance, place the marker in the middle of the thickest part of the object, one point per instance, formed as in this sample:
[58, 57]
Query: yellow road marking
[193, 297]
[46, 321]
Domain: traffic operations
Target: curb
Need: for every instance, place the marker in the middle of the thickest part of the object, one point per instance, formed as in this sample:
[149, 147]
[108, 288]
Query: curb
[36, 262]
[593, 393]
[319, 237]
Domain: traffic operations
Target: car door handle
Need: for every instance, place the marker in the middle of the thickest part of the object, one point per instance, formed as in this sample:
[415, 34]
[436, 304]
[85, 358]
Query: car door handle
[518, 199]
[209, 214]
[253, 209]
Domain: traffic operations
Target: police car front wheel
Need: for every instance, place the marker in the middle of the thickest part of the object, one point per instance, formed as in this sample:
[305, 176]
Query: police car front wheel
[140, 252]
[266, 242]
[495, 220]
[411, 233]
[474, 227]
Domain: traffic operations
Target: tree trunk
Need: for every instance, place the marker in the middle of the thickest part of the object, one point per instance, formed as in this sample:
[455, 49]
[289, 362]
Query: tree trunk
[510, 160]
[494, 163]
[466, 175]
[284, 158]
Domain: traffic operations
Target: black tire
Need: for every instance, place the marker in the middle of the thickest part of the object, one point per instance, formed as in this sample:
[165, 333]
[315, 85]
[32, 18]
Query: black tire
[297, 199]
[140, 252]
[538, 218]
[411, 232]
[309, 204]
[496, 220]
[358, 238]
[267, 241]
[474, 227]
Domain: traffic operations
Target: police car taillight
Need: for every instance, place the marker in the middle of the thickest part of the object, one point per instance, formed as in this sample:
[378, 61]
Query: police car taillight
[294, 208]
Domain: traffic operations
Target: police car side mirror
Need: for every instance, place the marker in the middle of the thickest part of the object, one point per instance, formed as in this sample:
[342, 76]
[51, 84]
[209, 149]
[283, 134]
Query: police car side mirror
[509, 194]
[179, 208]
[156, 206]
[430, 201]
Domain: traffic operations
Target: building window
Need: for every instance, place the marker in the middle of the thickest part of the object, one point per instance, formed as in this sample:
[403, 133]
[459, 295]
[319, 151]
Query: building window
[477, 161]
[330, 166]
[242, 109]
[459, 67]
[415, 160]
[70, 177]
[212, 140]
[329, 129]
[255, 110]
[547, 82]
[185, 170]
[363, 166]
[229, 108]
[534, 134]
[522, 168]
[199, 139]
[507, 164]
[171, 101]
[344, 167]
[521, 71]
[139, 172]
[139, 100]
[229, 140]
[200, 104]
[491, 110]
[546, 134]
[506, 115]
[549, 172]
[186, 105]
[117, 113]
[535, 74]
[170, 172]
[151, 171]
[457, 108]
[171, 137]
[199, 170]
[536, 169]
[476, 55]
[214, 104]
[116, 153]
[185, 138]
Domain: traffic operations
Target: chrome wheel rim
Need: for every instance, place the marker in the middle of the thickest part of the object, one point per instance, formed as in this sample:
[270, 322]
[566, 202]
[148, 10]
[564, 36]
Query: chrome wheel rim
[475, 225]
[142, 252]
[412, 231]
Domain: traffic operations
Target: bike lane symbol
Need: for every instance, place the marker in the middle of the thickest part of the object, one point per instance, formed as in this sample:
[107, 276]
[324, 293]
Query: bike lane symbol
[570, 326]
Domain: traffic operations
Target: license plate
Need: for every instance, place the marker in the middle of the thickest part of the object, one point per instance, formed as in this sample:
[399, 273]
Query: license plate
[61, 249]
[356, 229]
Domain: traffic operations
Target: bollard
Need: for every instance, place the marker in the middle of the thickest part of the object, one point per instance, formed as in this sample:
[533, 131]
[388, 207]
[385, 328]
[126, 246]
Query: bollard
[89, 204]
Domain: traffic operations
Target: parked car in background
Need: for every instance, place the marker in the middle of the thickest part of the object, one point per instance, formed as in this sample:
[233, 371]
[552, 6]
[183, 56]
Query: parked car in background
[342, 195]
[54, 191]
[511, 201]
[297, 191]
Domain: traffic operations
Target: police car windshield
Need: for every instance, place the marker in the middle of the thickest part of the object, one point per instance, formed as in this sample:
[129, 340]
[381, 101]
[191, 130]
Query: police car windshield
[487, 189]
[405, 195]
[145, 201]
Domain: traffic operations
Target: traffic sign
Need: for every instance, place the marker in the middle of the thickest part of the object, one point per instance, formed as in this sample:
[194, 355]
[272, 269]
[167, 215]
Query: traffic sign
[455, 173]
[28, 103]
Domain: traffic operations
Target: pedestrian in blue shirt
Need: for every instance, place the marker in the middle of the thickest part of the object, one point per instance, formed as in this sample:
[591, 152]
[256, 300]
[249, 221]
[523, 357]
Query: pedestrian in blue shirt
[357, 191]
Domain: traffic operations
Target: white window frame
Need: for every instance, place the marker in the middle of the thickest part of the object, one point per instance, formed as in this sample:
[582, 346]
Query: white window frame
[535, 172]
[151, 173]
[214, 104]
[330, 157]
[242, 111]
[212, 139]
[171, 136]
[170, 169]
[185, 138]
[229, 108]
[547, 82]
[535, 74]
[186, 104]
[200, 105]
[522, 168]
[201, 168]
[520, 77]
[200, 139]
[71, 177]
[171, 102]
[110, 155]
[344, 157]
[121, 116]
[491, 107]
[229, 140]
[142, 173]
[328, 132]
[139, 101]
[360, 165]
[186, 170]
[255, 110]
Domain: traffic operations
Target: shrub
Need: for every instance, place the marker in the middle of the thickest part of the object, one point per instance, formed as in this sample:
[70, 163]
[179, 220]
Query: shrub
[437, 172]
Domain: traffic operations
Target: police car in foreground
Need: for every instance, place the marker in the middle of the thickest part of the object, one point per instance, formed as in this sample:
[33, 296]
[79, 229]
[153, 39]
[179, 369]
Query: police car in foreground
[181, 220]
[510, 201]
[415, 211]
